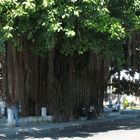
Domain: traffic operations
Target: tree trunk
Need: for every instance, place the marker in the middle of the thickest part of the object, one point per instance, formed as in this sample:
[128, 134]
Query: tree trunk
[63, 84]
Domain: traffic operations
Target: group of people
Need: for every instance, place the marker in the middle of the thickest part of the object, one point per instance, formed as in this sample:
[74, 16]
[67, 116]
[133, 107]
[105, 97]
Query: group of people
[89, 112]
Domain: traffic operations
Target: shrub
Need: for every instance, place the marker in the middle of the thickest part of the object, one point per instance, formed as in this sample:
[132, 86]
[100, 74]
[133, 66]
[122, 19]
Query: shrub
[132, 104]
[125, 104]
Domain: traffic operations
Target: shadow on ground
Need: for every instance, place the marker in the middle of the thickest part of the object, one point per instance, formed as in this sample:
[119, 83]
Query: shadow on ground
[82, 132]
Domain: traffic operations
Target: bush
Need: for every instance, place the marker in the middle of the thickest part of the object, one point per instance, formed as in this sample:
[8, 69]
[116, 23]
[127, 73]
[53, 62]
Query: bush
[132, 104]
[125, 104]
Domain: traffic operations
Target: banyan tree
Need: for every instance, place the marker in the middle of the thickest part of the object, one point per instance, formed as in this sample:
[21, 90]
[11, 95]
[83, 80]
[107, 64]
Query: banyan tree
[57, 54]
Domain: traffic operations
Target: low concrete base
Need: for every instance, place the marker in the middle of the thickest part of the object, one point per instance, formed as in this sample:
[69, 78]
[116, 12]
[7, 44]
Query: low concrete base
[35, 119]
[130, 112]
[112, 114]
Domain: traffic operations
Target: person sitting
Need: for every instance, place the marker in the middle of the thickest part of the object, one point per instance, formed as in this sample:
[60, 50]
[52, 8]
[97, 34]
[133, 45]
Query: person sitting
[91, 112]
[117, 107]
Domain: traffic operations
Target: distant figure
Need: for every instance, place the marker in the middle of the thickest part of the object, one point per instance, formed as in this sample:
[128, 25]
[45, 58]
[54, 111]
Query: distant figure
[110, 104]
[117, 107]
[5, 112]
[15, 108]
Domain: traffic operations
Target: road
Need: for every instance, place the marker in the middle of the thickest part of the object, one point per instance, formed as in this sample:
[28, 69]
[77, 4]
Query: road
[114, 130]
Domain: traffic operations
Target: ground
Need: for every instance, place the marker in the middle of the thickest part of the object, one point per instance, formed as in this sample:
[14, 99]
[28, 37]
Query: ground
[127, 129]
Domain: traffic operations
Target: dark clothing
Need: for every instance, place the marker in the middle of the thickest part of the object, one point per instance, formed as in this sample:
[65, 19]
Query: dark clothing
[16, 114]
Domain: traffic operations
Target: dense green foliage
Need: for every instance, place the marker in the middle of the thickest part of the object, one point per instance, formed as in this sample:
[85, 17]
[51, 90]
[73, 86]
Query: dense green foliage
[126, 87]
[127, 84]
[71, 26]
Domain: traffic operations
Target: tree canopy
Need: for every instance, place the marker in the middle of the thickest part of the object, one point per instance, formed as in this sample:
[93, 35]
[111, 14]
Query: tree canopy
[72, 26]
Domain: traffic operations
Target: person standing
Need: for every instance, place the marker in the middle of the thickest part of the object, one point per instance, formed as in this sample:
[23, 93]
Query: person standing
[16, 113]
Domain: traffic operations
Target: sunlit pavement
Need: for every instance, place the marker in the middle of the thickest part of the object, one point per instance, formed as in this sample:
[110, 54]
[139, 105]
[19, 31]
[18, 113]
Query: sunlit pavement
[110, 135]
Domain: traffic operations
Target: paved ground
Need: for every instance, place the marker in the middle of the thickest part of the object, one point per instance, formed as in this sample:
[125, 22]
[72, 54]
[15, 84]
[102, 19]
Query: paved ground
[127, 129]
[110, 127]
